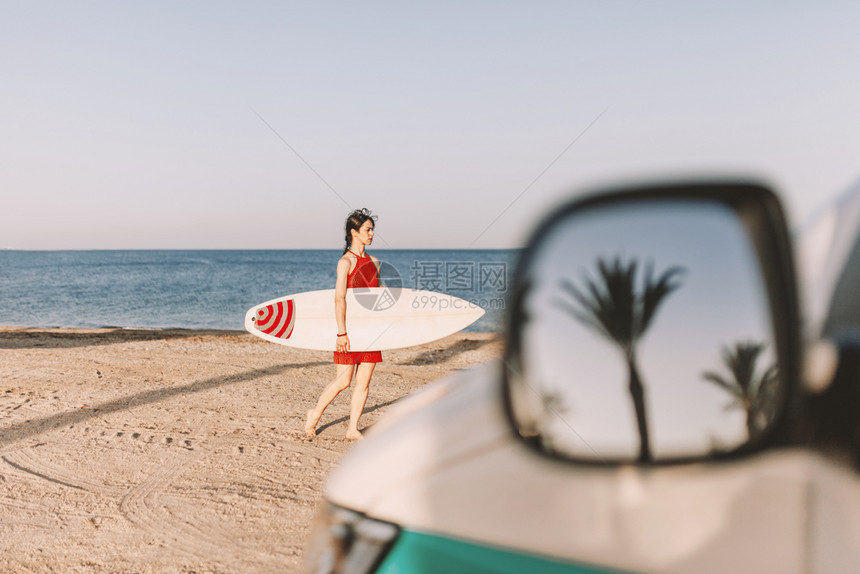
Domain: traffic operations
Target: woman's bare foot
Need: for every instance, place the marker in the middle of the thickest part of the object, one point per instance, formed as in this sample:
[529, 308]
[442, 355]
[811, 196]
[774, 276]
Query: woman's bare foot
[311, 424]
[353, 434]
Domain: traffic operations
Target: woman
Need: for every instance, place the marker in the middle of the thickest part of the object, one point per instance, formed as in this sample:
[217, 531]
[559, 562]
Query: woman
[355, 269]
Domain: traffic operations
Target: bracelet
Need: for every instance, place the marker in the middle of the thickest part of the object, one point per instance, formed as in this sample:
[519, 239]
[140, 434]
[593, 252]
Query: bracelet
[341, 335]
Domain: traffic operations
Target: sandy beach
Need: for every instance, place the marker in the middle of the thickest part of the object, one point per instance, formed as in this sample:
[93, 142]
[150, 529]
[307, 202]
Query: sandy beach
[176, 451]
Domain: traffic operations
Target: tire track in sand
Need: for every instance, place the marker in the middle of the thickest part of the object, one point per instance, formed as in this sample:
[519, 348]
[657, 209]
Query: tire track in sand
[142, 506]
[26, 460]
[148, 507]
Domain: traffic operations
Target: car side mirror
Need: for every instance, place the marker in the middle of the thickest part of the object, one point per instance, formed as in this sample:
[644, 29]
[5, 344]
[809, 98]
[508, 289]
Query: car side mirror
[655, 325]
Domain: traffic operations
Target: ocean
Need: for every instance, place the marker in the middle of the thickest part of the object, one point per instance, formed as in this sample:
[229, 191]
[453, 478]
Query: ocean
[214, 289]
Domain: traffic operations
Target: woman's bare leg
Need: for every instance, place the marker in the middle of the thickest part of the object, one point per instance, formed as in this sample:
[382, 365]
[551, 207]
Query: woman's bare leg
[359, 397]
[342, 379]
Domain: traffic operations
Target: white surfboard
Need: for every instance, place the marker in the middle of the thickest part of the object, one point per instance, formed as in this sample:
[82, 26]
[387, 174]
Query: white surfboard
[377, 318]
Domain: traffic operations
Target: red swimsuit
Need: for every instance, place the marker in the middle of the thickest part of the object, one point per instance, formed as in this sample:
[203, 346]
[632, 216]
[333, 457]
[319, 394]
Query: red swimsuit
[364, 275]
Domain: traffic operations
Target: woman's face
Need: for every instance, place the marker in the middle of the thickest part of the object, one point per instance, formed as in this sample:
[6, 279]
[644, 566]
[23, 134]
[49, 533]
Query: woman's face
[365, 232]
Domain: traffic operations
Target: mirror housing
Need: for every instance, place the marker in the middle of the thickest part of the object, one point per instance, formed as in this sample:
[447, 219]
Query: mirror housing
[638, 321]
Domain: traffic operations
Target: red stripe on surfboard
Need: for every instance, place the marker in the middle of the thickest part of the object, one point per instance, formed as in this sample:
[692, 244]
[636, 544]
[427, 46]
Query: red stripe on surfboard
[279, 306]
[262, 319]
[286, 322]
[264, 315]
[289, 322]
[267, 320]
[293, 320]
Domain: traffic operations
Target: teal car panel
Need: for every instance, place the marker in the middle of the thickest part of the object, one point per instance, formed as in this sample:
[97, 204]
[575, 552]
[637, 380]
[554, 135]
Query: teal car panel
[417, 552]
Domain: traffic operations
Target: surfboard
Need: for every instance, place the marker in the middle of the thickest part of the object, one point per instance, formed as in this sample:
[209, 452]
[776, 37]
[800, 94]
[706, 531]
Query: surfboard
[377, 318]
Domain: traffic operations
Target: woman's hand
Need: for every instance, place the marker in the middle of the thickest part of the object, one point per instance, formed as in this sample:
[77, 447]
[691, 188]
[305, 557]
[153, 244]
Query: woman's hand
[343, 344]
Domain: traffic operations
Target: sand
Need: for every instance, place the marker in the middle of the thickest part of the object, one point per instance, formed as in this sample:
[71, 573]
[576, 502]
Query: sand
[176, 451]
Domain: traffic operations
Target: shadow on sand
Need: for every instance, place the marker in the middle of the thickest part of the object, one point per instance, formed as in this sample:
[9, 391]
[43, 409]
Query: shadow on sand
[59, 339]
[346, 418]
[35, 427]
[436, 356]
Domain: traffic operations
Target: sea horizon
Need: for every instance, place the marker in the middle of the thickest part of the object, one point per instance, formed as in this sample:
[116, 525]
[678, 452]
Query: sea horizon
[213, 288]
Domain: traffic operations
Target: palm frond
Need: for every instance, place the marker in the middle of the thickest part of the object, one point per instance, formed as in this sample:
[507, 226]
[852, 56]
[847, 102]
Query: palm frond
[584, 301]
[754, 394]
[611, 304]
[618, 300]
[741, 361]
[583, 317]
[723, 383]
[591, 308]
[655, 292]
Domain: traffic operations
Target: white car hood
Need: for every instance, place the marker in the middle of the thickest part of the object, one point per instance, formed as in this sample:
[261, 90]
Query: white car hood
[459, 416]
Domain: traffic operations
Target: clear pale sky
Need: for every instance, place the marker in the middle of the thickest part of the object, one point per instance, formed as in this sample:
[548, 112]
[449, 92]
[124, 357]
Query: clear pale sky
[170, 124]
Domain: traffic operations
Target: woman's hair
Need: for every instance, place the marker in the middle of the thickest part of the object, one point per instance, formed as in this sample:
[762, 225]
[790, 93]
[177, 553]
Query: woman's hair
[354, 221]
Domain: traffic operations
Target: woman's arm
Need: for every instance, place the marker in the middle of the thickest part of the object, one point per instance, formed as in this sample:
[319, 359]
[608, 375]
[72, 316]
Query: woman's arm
[340, 303]
[378, 266]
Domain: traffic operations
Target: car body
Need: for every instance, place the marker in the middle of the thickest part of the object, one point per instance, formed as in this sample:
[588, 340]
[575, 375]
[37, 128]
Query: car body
[453, 479]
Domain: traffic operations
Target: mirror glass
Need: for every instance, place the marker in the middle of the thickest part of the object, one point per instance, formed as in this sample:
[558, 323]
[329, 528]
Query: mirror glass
[643, 334]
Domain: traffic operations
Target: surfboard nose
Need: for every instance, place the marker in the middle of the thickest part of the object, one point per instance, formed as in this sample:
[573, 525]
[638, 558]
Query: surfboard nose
[277, 319]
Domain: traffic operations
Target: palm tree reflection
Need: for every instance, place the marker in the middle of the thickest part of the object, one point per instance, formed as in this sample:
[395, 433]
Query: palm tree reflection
[612, 306]
[755, 394]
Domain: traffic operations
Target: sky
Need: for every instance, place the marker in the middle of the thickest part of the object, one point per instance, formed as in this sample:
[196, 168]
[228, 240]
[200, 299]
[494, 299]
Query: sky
[261, 124]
